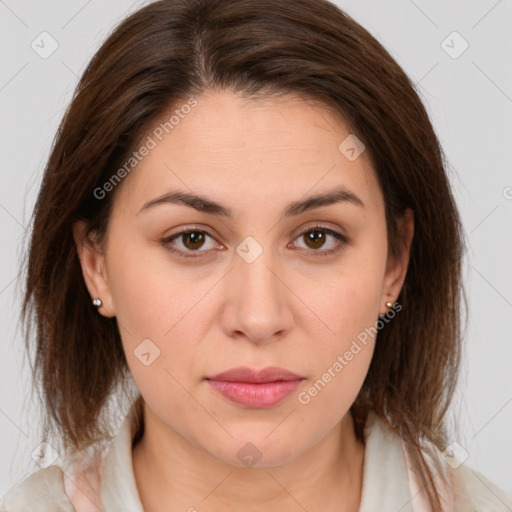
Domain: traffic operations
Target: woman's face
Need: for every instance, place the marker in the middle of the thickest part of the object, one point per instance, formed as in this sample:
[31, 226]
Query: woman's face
[270, 280]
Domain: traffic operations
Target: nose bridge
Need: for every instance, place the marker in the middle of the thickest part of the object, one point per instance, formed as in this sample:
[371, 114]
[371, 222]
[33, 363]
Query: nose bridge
[257, 305]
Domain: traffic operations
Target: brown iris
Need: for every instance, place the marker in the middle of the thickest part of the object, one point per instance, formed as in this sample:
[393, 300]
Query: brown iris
[196, 239]
[316, 237]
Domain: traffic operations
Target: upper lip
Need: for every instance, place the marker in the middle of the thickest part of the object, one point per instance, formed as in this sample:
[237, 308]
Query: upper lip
[246, 374]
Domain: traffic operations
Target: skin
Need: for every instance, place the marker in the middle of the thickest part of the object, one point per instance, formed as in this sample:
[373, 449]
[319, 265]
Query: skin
[290, 307]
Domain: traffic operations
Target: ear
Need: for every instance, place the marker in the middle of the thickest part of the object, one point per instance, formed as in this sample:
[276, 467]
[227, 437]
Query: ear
[92, 261]
[396, 268]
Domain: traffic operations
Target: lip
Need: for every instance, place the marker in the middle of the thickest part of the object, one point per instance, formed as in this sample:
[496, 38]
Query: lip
[254, 375]
[255, 388]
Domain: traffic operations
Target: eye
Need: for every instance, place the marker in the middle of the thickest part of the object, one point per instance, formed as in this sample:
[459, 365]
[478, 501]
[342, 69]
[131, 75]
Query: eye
[316, 236]
[191, 241]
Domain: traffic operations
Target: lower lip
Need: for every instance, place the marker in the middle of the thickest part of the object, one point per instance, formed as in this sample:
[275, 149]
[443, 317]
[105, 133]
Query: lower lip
[255, 395]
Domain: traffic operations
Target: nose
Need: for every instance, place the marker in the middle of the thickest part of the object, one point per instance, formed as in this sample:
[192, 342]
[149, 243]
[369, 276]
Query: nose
[257, 300]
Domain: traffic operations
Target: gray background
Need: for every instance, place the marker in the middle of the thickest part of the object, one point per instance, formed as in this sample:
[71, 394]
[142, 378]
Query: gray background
[469, 98]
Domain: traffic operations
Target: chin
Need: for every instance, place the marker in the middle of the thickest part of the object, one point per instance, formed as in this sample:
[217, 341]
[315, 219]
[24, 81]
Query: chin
[257, 449]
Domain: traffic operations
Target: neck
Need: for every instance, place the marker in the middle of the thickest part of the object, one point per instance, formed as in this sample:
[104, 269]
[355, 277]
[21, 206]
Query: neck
[172, 474]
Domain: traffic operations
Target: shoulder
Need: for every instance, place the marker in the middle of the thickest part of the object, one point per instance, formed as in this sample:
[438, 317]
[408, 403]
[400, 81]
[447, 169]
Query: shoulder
[475, 493]
[42, 490]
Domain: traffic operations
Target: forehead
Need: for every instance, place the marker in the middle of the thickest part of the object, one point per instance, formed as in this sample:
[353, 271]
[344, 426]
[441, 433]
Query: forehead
[238, 148]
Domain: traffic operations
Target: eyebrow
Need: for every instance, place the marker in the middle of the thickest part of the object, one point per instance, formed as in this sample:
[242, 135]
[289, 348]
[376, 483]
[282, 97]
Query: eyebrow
[206, 205]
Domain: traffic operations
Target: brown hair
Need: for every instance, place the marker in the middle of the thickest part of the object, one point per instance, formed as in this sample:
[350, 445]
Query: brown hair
[173, 49]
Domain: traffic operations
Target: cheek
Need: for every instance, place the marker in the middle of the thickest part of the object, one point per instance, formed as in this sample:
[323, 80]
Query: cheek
[346, 313]
[147, 289]
[346, 347]
[156, 305]
[343, 353]
[347, 299]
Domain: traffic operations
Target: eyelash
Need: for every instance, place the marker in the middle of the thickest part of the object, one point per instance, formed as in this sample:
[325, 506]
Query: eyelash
[317, 253]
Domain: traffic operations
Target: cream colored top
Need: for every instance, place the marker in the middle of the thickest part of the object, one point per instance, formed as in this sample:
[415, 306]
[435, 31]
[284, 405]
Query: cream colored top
[388, 483]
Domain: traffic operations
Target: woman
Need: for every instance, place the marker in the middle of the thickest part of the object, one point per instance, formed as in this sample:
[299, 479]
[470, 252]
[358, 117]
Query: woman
[246, 214]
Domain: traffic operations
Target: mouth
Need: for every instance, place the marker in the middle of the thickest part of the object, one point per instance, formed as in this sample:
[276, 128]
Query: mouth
[254, 388]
